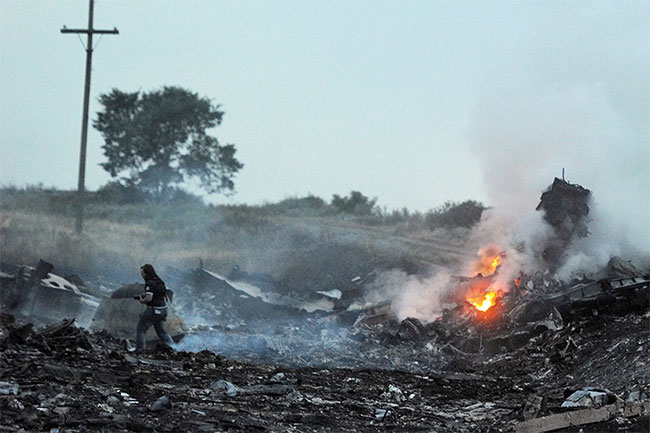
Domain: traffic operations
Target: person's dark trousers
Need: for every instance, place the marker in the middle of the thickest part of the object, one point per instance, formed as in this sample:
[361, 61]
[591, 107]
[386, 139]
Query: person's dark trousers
[148, 318]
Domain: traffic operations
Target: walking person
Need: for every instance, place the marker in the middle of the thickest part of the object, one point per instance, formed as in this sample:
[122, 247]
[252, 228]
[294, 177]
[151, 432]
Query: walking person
[156, 312]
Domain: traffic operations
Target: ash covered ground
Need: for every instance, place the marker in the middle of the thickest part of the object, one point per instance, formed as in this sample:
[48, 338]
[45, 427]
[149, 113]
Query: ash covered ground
[506, 344]
[69, 379]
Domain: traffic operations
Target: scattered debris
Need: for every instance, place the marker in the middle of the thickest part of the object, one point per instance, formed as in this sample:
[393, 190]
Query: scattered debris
[532, 406]
[163, 403]
[7, 388]
[589, 397]
[36, 295]
[536, 356]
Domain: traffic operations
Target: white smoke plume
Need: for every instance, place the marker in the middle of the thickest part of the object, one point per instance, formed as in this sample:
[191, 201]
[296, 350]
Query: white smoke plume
[531, 135]
[519, 236]
[578, 100]
[412, 295]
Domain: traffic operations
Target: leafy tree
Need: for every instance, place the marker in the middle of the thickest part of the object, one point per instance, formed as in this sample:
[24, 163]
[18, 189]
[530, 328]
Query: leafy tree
[155, 141]
[356, 203]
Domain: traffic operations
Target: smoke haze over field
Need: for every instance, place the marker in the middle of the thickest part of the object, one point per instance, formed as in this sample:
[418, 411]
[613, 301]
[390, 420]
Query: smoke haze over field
[413, 102]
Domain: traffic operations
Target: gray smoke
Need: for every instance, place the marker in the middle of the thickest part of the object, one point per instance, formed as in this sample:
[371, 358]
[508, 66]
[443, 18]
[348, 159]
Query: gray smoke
[525, 139]
[579, 101]
[412, 295]
[578, 98]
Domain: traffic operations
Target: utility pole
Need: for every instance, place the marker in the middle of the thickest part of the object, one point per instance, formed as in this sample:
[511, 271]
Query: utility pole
[84, 124]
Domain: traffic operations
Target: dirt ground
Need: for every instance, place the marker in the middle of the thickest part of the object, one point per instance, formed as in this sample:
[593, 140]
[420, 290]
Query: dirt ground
[65, 379]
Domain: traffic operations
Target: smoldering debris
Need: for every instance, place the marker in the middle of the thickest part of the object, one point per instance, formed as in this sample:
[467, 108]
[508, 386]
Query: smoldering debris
[67, 378]
[496, 349]
[469, 370]
[566, 209]
[36, 294]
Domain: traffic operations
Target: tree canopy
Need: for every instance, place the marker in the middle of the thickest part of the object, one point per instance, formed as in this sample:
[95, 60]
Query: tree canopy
[158, 140]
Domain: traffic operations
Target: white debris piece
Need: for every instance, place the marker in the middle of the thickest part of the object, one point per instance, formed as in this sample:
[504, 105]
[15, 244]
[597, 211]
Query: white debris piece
[394, 393]
[587, 398]
[56, 282]
[226, 387]
[334, 293]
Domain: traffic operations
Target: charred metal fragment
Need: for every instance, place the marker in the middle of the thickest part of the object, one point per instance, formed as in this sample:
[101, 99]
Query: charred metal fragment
[35, 294]
[566, 207]
[612, 295]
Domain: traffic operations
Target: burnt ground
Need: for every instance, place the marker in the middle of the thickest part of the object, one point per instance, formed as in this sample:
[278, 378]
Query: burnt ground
[66, 379]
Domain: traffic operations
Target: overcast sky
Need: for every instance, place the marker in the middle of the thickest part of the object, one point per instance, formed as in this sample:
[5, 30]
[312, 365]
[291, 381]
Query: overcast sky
[413, 102]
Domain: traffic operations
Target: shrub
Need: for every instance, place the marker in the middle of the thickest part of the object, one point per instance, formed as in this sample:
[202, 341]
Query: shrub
[116, 193]
[452, 214]
[297, 206]
[356, 204]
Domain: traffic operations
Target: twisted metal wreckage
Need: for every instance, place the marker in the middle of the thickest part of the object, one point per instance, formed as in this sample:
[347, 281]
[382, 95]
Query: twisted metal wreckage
[517, 360]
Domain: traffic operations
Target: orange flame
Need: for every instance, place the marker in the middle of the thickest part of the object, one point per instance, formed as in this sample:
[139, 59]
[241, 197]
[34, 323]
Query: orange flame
[488, 261]
[483, 291]
[483, 304]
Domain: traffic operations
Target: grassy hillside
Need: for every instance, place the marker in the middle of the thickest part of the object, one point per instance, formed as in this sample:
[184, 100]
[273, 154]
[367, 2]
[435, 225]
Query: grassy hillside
[294, 242]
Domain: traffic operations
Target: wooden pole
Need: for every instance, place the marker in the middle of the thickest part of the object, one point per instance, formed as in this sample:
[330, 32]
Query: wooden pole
[84, 123]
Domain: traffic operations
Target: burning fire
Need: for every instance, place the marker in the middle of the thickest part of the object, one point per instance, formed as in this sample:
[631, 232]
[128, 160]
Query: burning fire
[483, 292]
[485, 303]
[488, 261]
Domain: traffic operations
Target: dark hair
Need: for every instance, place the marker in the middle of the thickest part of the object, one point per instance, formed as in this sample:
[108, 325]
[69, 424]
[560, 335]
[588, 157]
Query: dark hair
[149, 271]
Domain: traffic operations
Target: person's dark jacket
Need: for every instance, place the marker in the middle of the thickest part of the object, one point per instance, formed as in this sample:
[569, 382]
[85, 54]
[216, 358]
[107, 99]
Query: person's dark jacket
[156, 286]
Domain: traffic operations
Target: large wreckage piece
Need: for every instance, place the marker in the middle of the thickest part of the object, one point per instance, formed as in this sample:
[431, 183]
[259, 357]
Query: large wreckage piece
[608, 295]
[565, 207]
[37, 295]
[595, 412]
[239, 299]
[119, 315]
[265, 286]
[611, 295]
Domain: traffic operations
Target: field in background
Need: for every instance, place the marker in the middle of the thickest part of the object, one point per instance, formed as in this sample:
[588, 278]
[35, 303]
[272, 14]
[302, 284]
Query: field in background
[296, 243]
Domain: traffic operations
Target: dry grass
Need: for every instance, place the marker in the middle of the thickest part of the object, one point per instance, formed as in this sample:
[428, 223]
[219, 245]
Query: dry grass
[114, 246]
[28, 237]
[110, 248]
